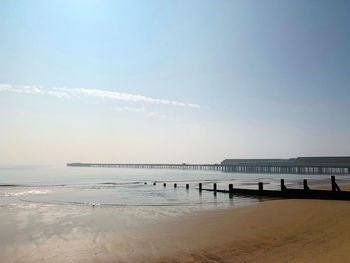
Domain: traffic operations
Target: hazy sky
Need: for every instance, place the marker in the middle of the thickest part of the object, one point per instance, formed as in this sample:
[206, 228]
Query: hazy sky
[173, 81]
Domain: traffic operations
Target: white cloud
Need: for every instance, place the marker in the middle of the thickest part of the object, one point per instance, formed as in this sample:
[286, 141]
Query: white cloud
[129, 97]
[30, 89]
[66, 93]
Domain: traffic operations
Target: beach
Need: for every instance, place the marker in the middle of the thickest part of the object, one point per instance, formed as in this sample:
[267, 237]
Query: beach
[271, 231]
[56, 214]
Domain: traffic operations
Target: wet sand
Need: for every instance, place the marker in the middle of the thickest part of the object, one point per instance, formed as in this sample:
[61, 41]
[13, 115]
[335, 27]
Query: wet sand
[271, 231]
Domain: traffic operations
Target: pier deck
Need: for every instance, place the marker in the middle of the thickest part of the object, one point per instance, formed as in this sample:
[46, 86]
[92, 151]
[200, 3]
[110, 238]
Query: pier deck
[289, 166]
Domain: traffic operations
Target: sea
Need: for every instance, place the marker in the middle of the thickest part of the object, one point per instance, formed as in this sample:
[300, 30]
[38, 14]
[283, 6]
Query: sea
[22, 186]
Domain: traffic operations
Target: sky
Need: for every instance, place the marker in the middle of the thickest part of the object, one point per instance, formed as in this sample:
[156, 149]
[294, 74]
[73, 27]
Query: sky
[173, 81]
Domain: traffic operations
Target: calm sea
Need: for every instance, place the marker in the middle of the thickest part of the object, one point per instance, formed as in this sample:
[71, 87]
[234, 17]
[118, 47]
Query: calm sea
[113, 187]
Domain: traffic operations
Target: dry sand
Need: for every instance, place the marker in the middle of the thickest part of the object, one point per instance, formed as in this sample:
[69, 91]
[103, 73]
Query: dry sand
[272, 231]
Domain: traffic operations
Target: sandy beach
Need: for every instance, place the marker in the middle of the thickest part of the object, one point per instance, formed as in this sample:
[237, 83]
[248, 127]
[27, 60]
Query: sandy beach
[272, 231]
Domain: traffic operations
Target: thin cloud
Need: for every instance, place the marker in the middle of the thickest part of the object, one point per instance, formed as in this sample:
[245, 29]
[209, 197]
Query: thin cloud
[66, 93]
[29, 89]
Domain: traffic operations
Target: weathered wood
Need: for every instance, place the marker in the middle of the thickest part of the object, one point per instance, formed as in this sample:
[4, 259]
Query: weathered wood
[283, 187]
[335, 194]
[306, 187]
[335, 186]
[230, 188]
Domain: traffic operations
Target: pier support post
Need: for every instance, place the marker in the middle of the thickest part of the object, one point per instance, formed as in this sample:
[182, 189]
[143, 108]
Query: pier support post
[154, 183]
[261, 186]
[306, 187]
[175, 185]
[164, 184]
[200, 187]
[187, 186]
[335, 187]
[214, 187]
[283, 187]
[230, 188]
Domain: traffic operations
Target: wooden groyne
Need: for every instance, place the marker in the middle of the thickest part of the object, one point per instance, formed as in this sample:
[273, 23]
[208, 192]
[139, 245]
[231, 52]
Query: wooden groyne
[305, 193]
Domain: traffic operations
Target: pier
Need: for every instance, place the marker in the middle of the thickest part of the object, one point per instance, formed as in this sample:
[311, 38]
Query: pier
[300, 165]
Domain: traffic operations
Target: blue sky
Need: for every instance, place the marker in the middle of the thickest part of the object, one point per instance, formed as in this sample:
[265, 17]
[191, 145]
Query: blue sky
[181, 81]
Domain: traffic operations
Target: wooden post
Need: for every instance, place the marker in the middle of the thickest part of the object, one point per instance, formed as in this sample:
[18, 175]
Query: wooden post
[200, 187]
[333, 183]
[230, 188]
[175, 185]
[335, 187]
[187, 186]
[306, 187]
[214, 187]
[283, 187]
[261, 186]
[164, 184]
[154, 183]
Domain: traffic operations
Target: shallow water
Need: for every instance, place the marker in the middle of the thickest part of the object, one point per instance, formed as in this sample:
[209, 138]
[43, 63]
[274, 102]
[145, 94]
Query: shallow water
[61, 185]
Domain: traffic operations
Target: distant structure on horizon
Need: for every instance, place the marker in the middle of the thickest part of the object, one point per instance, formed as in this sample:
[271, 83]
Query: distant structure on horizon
[300, 161]
[299, 165]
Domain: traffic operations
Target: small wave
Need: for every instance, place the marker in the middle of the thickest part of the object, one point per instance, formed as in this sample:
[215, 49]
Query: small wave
[121, 205]
[31, 185]
[11, 185]
[30, 192]
[114, 183]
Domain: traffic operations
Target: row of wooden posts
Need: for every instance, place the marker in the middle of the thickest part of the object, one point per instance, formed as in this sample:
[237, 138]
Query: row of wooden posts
[200, 186]
[187, 185]
[335, 186]
[306, 193]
